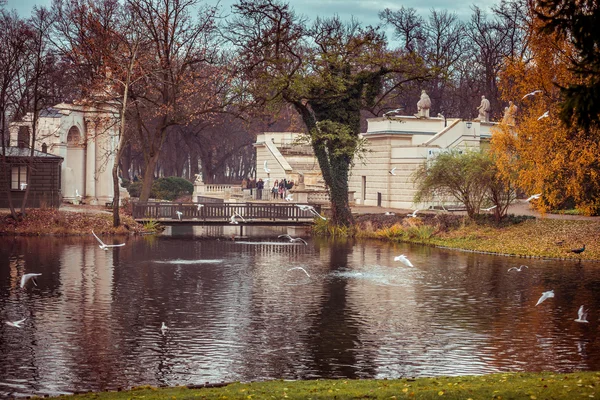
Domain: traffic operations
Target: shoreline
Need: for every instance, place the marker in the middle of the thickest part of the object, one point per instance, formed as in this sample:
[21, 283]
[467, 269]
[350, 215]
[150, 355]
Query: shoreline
[524, 236]
[500, 385]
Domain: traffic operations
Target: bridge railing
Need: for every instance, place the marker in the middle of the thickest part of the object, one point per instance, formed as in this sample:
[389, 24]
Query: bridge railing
[220, 211]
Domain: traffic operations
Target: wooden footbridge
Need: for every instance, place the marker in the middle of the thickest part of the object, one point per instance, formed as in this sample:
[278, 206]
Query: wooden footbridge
[220, 213]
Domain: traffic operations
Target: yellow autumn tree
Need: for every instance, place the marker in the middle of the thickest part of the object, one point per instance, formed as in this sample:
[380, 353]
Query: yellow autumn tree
[541, 152]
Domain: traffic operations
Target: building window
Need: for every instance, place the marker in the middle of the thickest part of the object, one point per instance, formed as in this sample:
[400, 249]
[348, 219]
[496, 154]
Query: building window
[73, 136]
[23, 137]
[19, 177]
[364, 188]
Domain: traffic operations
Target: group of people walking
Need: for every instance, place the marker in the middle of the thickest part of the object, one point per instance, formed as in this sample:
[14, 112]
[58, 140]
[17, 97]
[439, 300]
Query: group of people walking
[278, 190]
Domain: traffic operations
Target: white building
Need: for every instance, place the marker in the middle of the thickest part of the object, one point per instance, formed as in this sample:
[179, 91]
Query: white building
[397, 146]
[86, 138]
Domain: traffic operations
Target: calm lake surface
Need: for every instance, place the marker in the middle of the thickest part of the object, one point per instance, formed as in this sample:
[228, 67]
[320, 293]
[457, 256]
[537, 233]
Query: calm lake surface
[243, 311]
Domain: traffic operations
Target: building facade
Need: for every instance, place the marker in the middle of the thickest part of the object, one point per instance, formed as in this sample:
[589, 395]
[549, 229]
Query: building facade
[44, 178]
[396, 147]
[85, 137]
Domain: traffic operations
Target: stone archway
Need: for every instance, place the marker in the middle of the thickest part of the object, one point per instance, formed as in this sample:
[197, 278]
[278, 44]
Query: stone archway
[74, 180]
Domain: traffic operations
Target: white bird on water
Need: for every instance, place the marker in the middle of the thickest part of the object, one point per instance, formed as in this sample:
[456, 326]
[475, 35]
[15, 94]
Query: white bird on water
[533, 197]
[179, 214]
[232, 220]
[16, 324]
[582, 315]
[393, 171]
[292, 240]
[104, 246]
[402, 258]
[301, 269]
[518, 269]
[544, 115]
[27, 277]
[164, 328]
[266, 168]
[531, 94]
[489, 208]
[545, 295]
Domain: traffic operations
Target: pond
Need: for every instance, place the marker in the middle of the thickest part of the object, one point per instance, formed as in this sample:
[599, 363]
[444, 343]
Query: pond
[260, 308]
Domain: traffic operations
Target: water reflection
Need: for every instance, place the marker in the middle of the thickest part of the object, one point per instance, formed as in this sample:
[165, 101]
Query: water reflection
[245, 310]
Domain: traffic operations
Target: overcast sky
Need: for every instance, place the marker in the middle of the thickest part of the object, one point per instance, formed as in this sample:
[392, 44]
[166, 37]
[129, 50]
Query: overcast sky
[364, 11]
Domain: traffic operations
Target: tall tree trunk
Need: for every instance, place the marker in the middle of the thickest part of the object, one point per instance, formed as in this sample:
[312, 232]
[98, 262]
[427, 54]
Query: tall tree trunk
[148, 177]
[115, 170]
[6, 166]
[126, 162]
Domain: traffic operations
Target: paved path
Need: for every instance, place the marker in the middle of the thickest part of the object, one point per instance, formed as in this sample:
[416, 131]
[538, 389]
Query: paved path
[520, 207]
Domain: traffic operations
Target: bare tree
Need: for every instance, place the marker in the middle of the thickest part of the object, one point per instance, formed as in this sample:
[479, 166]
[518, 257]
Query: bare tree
[190, 79]
[14, 38]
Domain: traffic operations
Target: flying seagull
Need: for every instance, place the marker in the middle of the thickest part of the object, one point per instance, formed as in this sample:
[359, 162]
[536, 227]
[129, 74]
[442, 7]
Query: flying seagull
[402, 258]
[518, 269]
[393, 171]
[104, 246]
[582, 315]
[413, 214]
[545, 295]
[27, 277]
[544, 115]
[531, 94]
[17, 324]
[77, 193]
[289, 197]
[293, 240]
[179, 214]
[164, 328]
[311, 209]
[267, 170]
[533, 197]
[489, 208]
[232, 220]
[23, 186]
[301, 269]
[396, 111]
[200, 206]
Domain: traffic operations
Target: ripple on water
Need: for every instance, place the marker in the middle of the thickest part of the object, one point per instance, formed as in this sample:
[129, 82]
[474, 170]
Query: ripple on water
[247, 311]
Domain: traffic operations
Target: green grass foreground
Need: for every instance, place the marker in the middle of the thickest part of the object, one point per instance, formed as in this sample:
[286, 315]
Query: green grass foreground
[496, 386]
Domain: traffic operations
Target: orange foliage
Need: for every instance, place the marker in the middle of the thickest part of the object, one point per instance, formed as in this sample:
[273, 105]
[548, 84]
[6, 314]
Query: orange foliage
[562, 163]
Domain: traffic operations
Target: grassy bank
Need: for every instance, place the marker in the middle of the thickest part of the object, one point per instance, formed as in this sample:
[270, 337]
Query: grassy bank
[50, 221]
[518, 236]
[497, 386]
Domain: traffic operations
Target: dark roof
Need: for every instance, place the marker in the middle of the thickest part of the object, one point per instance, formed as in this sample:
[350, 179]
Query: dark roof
[12, 151]
[51, 112]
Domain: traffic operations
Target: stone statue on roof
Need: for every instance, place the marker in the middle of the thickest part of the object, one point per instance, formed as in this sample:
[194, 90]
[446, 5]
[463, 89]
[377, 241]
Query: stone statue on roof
[423, 105]
[484, 110]
[509, 114]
